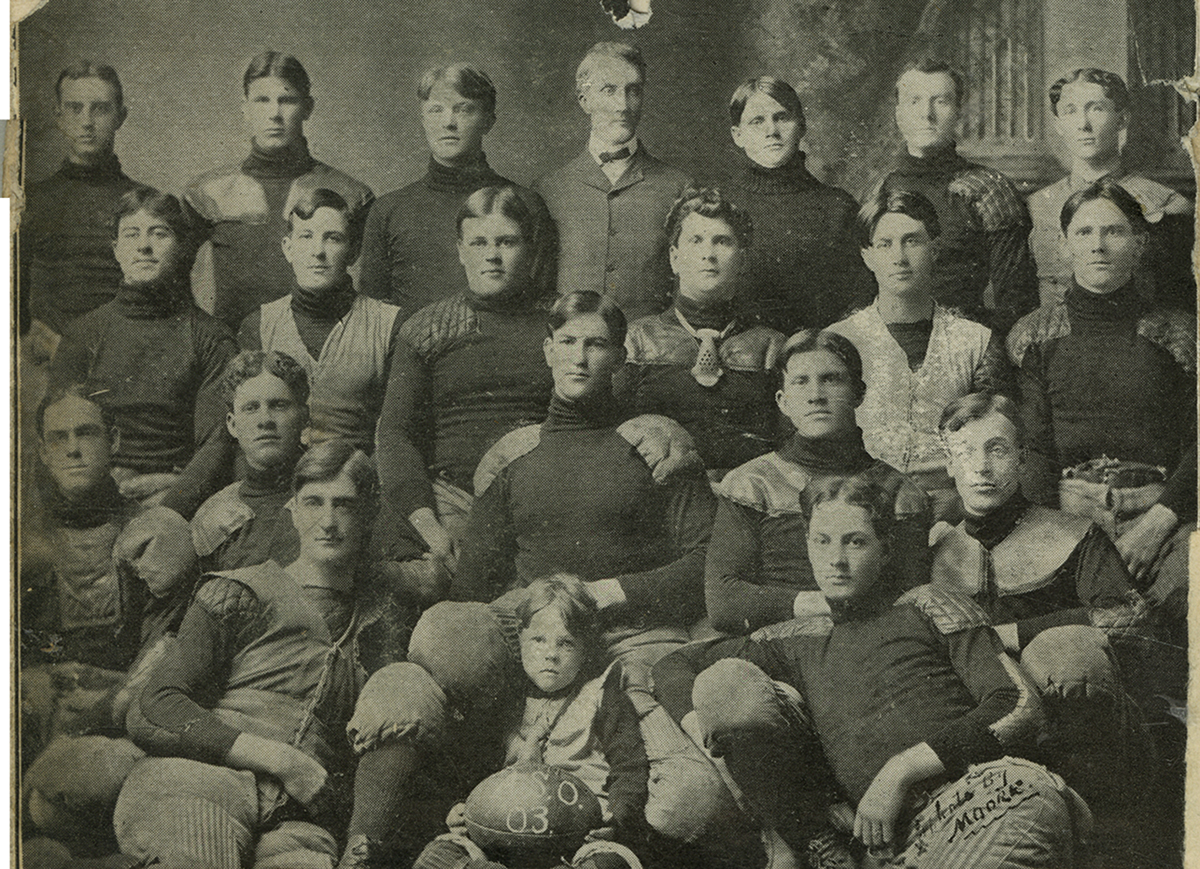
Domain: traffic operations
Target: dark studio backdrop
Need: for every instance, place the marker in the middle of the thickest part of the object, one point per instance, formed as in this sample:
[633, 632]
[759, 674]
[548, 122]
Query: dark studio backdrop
[181, 63]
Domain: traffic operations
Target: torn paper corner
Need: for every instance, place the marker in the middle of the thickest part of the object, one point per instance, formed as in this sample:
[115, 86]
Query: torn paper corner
[19, 10]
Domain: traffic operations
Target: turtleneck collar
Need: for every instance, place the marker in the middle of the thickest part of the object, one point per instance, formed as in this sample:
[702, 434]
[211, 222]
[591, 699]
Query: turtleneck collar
[995, 526]
[1121, 304]
[715, 316]
[458, 179]
[837, 456]
[291, 162]
[942, 161]
[792, 177]
[598, 412]
[331, 304]
[99, 506]
[267, 481]
[503, 304]
[153, 301]
[108, 169]
[878, 598]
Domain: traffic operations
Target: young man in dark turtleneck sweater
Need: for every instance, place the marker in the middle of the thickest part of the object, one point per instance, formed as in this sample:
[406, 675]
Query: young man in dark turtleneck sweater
[246, 206]
[65, 260]
[757, 572]
[985, 224]
[245, 523]
[152, 359]
[700, 362]
[342, 340]
[802, 272]
[1108, 391]
[409, 256]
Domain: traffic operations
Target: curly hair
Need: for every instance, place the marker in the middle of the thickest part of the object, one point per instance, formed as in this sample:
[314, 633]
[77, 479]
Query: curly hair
[250, 363]
[708, 202]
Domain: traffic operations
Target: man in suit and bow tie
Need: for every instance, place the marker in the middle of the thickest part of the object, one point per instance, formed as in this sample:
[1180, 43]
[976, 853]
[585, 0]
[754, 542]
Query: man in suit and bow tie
[610, 202]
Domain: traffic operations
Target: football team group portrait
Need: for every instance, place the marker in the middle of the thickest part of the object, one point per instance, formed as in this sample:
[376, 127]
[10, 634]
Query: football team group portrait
[794, 467]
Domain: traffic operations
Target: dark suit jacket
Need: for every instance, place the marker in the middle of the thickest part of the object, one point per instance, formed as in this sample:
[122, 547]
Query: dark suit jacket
[611, 236]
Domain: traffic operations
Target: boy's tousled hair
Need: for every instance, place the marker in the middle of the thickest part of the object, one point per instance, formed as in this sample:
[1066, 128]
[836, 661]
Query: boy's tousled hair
[567, 594]
[708, 202]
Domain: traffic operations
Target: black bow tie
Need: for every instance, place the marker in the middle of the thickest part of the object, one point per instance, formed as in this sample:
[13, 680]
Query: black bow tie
[611, 156]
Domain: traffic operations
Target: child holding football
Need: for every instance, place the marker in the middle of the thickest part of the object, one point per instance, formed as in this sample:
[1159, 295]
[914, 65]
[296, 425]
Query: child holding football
[573, 720]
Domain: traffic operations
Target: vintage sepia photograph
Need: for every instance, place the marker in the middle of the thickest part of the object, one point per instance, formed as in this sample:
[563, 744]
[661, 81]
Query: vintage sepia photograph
[583, 433]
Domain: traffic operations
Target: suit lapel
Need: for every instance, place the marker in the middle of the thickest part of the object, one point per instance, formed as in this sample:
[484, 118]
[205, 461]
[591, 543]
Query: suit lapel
[587, 171]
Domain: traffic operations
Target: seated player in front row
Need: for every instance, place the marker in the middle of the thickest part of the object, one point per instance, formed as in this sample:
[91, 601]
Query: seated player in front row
[703, 362]
[908, 697]
[575, 718]
[573, 495]
[245, 714]
[756, 572]
[917, 355]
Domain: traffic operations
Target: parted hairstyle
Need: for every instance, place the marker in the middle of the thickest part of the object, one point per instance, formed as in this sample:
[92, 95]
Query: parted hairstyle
[932, 65]
[1113, 84]
[71, 390]
[859, 492]
[1105, 188]
[582, 302]
[977, 405]
[631, 54]
[776, 88]
[567, 594]
[275, 64]
[497, 200]
[168, 209]
[306, 206]
[88, 69]
[708, 202]
[250, 363]
[810, 340]
[884, 202]
[468, 81]
[326, 460]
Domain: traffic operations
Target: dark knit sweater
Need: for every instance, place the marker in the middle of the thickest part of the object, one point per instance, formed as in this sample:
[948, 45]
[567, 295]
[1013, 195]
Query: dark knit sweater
[244, 207]
[463, 373]
[153, 359]
[1106, 375]
[984, 234]
[583, 501]
[803, 269]
[885, 677]
[410, 254]
[65, 241]
[270, 534]
[1093, 575]
[758, 556]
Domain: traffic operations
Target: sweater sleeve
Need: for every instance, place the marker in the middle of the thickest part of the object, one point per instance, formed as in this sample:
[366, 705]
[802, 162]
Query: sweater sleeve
[994, 373]
[1013, 275]
[1040, 478]
[375, 272]
[176, 704]
[673, 594]
[738, 601]
[403, 472]
[629, 770]
[211, 465]
[486, 564]
[975, 654]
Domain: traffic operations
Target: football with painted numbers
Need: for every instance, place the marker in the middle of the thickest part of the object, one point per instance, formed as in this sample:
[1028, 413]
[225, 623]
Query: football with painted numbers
[532, 809]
